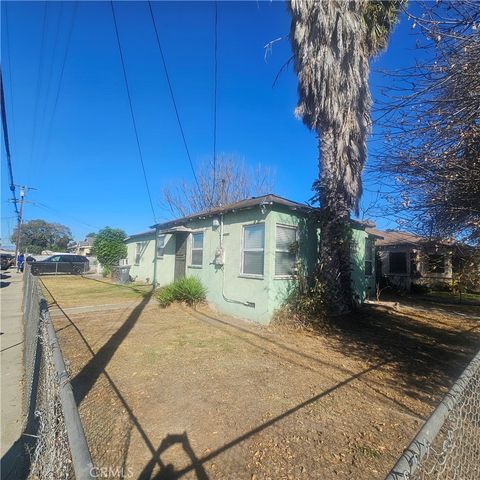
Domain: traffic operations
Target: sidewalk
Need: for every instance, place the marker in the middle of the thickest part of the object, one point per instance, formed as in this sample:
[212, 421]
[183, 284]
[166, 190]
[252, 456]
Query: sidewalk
[11, 346]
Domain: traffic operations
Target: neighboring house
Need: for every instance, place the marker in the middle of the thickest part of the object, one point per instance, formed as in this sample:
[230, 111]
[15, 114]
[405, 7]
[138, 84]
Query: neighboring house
[406, 259]
[82, 248]
[247, 254]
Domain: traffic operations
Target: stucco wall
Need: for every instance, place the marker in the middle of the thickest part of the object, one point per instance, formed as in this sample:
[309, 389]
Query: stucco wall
[143, 271]
[227, 289]
[363, 285]
[166, 264]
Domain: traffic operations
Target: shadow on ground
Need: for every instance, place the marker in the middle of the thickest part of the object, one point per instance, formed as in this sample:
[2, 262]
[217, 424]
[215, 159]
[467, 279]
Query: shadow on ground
[426, 356]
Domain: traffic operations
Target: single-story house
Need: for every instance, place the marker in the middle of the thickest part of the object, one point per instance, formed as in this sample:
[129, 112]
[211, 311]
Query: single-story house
[84, 247]
[406, 259]
[247, 254]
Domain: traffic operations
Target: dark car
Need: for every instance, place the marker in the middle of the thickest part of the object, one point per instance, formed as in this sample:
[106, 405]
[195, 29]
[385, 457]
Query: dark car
[75, 264]
[7, 260]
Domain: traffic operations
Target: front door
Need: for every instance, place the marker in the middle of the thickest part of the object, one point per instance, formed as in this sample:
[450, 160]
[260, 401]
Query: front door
[180, 254]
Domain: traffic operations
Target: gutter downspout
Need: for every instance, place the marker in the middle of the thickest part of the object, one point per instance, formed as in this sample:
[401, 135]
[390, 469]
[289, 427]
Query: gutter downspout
[154, 281]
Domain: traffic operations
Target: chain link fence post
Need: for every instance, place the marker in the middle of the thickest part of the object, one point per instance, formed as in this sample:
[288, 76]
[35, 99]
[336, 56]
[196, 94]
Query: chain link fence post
[60, 449]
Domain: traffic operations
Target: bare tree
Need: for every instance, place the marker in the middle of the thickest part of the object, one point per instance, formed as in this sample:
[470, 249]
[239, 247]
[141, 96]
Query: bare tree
[234, 181]
[431, 118]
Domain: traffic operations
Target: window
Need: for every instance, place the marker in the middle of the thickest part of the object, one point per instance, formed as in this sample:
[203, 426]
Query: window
[398, 262]
[160, 245]
[368, 256]
[138, 253]
[436, 263]
[285, 255]
[197, 249]
[458, 264]
[253, 249]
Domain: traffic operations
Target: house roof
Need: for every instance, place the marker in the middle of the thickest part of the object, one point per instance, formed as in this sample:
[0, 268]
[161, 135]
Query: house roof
[240, 205]
[245, 204]
[141, 234]
[396, 237]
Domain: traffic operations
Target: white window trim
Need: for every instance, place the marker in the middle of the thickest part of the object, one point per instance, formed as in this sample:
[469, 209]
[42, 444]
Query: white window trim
[164, 238]
[191, 249]
[242, 251]
[138, 254]
[293, 227]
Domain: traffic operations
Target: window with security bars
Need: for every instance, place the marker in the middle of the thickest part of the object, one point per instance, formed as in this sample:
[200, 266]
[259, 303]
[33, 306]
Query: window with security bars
[160, 245]
[253, 249]
[369, 256]
[285, 255]
[197, 249]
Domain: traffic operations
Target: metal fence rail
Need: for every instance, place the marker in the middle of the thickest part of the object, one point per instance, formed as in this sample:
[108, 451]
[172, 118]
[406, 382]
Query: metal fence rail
[448, 445]
[60, 449]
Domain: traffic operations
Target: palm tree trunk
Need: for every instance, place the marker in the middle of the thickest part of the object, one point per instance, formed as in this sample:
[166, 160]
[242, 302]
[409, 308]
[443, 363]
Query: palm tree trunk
[335, 230]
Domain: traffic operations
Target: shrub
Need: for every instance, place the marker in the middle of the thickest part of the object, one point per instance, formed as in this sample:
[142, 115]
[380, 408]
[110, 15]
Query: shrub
[420, 289]
[304, 306]
[106, 271]
[187, 289]
[109, 246]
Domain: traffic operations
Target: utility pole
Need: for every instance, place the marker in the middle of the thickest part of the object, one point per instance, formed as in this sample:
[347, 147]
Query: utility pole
[19, 223]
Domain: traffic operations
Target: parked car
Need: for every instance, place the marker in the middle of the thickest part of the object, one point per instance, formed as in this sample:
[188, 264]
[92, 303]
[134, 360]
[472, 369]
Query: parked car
[7, 260]
[75, 264]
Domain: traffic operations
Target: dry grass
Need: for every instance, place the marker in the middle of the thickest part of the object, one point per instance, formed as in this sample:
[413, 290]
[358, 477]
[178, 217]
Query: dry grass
[74, 291]
[177, 393]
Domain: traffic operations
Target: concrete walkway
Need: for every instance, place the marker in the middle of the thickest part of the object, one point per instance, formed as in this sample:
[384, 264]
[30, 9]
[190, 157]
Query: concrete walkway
[11, 346]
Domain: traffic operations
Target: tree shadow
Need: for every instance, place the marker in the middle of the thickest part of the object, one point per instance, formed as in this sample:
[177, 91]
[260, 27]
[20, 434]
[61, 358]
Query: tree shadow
[427, 358]
[83, 382]
[167, 471]
[97, 363]
[197, 463]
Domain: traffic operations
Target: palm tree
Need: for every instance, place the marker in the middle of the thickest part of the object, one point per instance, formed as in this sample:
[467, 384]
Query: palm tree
[332, 42]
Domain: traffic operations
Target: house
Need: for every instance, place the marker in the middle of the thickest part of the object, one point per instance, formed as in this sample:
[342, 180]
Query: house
[82, 248]
[405, 259]
[247, 254]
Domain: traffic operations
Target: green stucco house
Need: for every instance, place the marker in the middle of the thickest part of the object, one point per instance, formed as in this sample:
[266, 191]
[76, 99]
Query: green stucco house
[246, 254]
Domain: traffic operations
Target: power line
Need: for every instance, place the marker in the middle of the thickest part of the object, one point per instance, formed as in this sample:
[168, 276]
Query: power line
[7, 144]
[172, 96]
[60, 80]
[215, 104]
[79, 221]
[54, 54]
[131, 110]
[39, 83]
[7, 30]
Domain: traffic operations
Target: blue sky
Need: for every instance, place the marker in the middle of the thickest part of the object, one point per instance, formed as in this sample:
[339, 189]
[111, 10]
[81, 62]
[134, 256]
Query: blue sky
[82, 157]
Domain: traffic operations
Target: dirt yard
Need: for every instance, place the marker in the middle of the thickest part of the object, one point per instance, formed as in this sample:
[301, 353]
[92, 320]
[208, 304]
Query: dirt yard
[178, 393]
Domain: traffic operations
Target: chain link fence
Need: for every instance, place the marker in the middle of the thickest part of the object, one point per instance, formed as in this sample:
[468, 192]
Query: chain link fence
[448, 445]
[54, 433]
